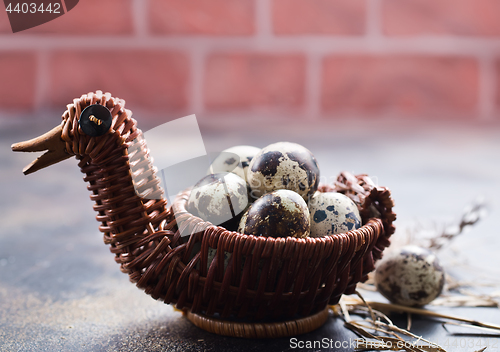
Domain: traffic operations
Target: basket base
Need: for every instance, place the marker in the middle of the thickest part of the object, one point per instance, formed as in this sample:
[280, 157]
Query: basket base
[259, 330]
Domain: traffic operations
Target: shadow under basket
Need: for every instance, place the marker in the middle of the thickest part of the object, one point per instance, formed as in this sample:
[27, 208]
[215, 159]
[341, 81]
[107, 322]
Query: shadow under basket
[264, 287]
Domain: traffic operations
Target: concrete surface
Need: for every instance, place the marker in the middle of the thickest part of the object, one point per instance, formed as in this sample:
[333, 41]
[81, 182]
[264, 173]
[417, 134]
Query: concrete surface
[60, 289]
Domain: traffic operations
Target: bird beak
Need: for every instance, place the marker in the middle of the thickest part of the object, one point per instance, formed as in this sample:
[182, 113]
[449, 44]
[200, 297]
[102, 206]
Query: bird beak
[51, 142]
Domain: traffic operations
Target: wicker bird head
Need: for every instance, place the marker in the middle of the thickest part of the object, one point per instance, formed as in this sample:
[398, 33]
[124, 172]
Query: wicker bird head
[90, 121]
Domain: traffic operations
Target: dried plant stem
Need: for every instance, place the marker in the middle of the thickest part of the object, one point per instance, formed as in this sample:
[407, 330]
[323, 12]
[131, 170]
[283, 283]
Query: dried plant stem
[392, 341]
[470, 216]
[377, 331]
[367, 306]
[464, 300]
[480, 328]
[368, 285]
[424, 312]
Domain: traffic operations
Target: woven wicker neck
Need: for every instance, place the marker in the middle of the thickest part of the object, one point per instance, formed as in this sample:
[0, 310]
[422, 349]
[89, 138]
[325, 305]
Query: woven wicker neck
[110, 164]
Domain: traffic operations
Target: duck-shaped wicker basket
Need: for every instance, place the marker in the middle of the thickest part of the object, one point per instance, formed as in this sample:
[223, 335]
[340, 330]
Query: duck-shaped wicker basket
[271, 287]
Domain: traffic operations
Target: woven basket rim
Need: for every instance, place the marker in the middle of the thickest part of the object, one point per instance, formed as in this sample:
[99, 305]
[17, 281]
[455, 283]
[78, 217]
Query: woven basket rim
[179, 207]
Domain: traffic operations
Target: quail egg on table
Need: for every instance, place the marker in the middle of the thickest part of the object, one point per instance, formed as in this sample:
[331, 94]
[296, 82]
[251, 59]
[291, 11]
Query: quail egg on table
[218, 197]
[235, 159]
[279, 213]
[283, 165]
[332, 213]
[410, 277]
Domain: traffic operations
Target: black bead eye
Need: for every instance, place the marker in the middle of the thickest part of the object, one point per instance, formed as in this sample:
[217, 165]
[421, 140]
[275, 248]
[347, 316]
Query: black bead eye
[95, 120]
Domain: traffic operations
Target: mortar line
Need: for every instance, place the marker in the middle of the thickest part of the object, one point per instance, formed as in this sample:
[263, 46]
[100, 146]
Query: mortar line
[374, 19]
[317, 44]
[196, 85]
[313, 87]
[487, 88]
[42, 79]
[263, 21]
[139, 17]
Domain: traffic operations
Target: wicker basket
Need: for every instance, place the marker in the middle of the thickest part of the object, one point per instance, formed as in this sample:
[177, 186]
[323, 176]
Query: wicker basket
[274, 287]
[271, 287]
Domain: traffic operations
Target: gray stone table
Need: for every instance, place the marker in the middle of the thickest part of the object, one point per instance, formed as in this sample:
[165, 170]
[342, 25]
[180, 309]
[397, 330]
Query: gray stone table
[60, 289]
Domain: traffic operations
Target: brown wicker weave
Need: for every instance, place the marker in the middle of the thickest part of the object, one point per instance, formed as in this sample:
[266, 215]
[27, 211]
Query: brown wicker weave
[267, 280]
[260, 330]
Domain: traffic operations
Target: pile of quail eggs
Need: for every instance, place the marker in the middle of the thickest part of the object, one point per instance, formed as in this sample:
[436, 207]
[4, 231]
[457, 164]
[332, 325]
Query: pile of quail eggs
[271, 192]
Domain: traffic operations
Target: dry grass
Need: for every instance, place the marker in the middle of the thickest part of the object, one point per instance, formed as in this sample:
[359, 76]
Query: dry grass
[377, 331]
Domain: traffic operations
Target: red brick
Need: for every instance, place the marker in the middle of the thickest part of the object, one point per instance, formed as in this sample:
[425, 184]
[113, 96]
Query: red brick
[399, 84]
[91, 17]
[244, 80]
[497, 78]
[455, 17]
[17, 83]
[341, 17]
[213, 17]
[151, 79]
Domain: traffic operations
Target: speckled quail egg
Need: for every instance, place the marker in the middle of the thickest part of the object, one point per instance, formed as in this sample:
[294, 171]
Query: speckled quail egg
[412, 276]
[211, 256]
[235, 159]
[283, 165]
[279, 213]
[332, 213]
[218, 198]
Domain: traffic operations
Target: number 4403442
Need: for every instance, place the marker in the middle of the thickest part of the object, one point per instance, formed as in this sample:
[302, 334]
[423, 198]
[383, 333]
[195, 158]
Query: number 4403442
[34, 8]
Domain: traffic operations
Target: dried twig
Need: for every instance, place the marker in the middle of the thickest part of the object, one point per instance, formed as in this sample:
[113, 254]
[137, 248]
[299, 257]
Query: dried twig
[379, 323]
[471, 215]
[377, 331]
[465, 300]
[485, 331]
[424, 312]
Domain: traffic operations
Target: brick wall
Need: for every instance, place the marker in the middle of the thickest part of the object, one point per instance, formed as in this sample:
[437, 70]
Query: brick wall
[298, 58]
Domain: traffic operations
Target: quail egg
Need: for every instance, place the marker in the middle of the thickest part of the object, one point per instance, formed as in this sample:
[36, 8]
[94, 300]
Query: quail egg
[411, 277]
[218, 198]
[235, 159]
[211, 256]
[279, 213]
[283, 165]
[332, 213]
